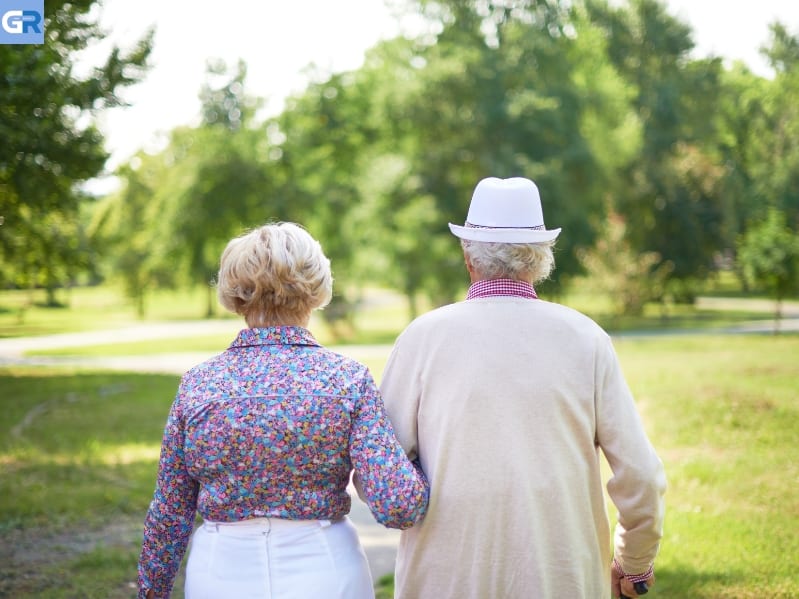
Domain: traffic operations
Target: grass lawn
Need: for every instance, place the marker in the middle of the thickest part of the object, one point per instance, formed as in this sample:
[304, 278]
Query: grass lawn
[23, 313]
[722, 412]
[378, 319]
[78, 455]
[79, 447]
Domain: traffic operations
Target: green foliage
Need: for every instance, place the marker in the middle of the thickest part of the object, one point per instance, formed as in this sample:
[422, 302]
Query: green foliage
[726, 435]
[177, 210]
[742, 141]
[762, 155]
[629, 279]
[672, 190]
[326, 153]
[768, 254]
[778, 156]
[48, 149]
[501, 93]
[384, 587]
[600, 103]
[226, 104]
[120, 228]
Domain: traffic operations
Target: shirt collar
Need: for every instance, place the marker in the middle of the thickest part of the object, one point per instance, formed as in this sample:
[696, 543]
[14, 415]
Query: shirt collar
[501, 287]
[281, 335]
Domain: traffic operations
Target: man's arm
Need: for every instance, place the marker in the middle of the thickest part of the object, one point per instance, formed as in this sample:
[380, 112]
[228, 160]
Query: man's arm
[638, 483]
[398, 388]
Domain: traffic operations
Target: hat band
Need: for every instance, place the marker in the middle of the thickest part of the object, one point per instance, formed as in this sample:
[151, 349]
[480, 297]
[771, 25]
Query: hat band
[535, 228]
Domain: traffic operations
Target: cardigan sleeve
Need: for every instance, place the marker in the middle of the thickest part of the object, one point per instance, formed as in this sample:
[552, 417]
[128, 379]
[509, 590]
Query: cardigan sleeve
[401, 398]
[638, 482]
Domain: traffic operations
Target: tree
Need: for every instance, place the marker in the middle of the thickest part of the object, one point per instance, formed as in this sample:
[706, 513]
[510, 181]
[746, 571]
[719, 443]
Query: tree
[671, 193]
[177, 209]
[769, 256]
[507, 89]
[778, 157]
[628, 278]
[742, 147]
[219, 183]
[47, 148]
[126, 227]
[327, 142]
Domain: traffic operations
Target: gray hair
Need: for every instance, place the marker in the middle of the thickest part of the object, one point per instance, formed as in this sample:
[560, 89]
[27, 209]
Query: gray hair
[530, 262]
[276, 274]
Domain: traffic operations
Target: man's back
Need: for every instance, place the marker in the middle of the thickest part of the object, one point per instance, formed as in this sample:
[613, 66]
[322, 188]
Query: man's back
[506, 401]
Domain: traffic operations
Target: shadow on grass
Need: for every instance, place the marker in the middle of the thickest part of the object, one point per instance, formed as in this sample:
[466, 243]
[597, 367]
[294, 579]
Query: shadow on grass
[75, 445]
[676, 583]
[79, 455]
[688, 583]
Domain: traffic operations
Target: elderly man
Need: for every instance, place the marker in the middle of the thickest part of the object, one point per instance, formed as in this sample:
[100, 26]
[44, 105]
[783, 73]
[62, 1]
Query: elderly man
[507, 401]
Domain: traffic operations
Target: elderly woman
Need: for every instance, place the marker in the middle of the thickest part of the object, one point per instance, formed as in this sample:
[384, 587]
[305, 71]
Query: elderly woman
[261, 441]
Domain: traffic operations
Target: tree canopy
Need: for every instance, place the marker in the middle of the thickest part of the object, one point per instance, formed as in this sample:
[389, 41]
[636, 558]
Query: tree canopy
[50, 143]
[638, 148]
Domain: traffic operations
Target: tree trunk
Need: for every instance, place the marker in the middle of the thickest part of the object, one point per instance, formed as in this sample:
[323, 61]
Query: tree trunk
[140, 308]
[778, 316]
[209, 312]
[51, 301]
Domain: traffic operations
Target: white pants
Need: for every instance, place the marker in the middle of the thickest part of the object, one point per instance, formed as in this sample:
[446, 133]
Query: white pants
[271, 558]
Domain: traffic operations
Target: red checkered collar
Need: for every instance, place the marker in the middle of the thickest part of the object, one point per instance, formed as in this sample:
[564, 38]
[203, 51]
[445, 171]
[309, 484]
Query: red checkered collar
[501, 287]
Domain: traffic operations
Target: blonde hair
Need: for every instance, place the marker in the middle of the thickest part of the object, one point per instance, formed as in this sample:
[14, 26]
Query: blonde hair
[276, 274]
[530, 262]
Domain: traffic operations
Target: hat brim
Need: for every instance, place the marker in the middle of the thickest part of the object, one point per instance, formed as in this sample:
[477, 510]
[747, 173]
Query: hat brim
[504, 235]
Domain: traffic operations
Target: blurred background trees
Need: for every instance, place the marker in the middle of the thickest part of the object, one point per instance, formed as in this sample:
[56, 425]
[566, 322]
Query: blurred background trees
[50, 145]
[661, 168]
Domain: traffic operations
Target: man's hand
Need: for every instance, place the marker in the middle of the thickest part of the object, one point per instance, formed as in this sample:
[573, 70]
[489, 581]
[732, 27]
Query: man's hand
[623, 587]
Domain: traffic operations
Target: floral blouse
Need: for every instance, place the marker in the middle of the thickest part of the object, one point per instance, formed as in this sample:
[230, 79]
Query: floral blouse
[273, 426]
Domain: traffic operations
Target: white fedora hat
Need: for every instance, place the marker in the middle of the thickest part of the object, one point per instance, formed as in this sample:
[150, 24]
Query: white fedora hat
[505, 211]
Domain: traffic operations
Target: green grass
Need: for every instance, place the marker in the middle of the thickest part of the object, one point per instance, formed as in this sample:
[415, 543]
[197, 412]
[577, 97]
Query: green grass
[204, 343]
[78, 456]
[78, 448]
[381, 316]
[384, 587]
[24, 313]
[723, 413]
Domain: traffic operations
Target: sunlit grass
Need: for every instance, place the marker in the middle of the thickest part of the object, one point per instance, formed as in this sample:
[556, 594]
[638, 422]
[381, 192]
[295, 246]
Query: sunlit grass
[93, 452]
[378, 320]
[77, 445]
[723, 413]
[92, 308]
[79, 448]
[203, 343]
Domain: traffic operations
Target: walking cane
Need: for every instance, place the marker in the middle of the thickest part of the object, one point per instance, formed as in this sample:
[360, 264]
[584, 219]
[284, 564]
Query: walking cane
[640, 588]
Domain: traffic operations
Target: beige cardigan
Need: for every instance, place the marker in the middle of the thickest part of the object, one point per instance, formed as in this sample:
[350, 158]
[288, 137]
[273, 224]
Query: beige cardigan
[507, 402]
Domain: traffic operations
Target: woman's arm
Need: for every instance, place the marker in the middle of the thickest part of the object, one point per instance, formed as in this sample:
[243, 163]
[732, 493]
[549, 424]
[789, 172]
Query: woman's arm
[170, 518]
[395, 488]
